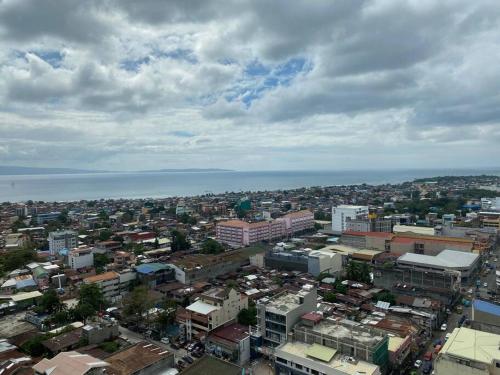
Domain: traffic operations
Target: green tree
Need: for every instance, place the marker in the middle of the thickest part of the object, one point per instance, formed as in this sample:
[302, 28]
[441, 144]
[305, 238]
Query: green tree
[330, 297]
[50, 302]
[103, 215]
[100, 261]
[185, 218]
[211, 246]
[248, 317]
[91, 294]
[179, 241]
[386, 297]
[105, 235]
[137, 303]
[17, 258]
[83, 311]
[61, 317]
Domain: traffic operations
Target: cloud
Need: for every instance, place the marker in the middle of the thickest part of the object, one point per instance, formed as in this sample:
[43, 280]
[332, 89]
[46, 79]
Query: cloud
[257, 85]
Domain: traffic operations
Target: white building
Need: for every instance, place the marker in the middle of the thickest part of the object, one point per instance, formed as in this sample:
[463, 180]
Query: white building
[468, 351]
[109, 282]
[66, 239]
[80, 257]
[342, 212]
[277, 315]
[213, 309]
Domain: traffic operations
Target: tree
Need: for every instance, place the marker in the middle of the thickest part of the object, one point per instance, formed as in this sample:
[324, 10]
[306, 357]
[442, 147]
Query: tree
[100, 261]
[105, 235]
[17, 258]
[103, 215]
[91, 294]
[179, 241]
[83, 311]
[185, 218]
[137, 303]
[50, 302]
[357, 271]
[330, 297]
[211, 246]
[61, 317]
[386, 297]
[248, 317]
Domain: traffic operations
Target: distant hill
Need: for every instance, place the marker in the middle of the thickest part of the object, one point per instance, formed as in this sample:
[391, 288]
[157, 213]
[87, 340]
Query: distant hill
[14, 170]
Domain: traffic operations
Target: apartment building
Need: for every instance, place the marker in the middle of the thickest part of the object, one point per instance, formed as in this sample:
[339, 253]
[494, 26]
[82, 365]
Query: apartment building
[277, 315]
[80, 257]
[213, 309]
[66, 239]
[343, 212]
[109, 282]
[468, 351]
[239, 233]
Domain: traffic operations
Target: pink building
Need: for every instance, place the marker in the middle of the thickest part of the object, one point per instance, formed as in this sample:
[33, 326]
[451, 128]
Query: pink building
[241, 233]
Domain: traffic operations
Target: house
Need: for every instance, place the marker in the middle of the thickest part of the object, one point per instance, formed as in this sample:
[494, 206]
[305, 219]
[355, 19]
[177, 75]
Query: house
[70, 363]
[232, 342]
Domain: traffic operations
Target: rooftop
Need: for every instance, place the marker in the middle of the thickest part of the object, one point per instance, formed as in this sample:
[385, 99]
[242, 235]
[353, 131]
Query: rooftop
[210, 365]
[136, 358]
[102, 277]
[445, 259]
[148, 268]
[68, 363]
[324, 359]
[285, 301]
[233, 333]
[486, 307]
[473, 345]
[201, 307]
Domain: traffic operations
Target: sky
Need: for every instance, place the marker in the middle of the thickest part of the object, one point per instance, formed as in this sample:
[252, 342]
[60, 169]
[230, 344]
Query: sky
[250, 85]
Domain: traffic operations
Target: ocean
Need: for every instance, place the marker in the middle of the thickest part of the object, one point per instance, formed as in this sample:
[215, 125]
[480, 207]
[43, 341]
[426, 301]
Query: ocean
[72, 187]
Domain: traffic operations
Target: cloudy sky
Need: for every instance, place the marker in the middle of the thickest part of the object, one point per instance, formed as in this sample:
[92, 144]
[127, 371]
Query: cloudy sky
[249, 85]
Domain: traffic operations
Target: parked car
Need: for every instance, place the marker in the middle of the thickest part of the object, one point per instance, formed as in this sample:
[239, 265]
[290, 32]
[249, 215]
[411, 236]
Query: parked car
[197, 354]
[165, 340]
[485, 285]
[428, 356]
[427, 367]
[417, 363]
[188, 359]
[174, 346]
[437, 349]
[444, 327]
[447, 336]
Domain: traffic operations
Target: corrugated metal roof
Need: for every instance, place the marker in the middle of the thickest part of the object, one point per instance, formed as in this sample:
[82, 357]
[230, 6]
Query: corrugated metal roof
[487, 307]
[321, 352]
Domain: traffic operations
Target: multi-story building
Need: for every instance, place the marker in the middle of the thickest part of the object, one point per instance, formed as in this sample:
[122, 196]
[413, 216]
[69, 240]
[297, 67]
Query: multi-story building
[241, 233]
[277, 315]
[299, 358]
[214, 308]
[66, 239]
[232, 342]
[313, 262]
[485, 316]
[46, 217]
[109, 282]
[155, 274]
[341, 213]
[346, 337]
[468, 351]
[80, 257]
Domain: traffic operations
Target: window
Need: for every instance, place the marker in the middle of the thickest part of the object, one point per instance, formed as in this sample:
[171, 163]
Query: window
[278, 359]
[314, 372]
[298, 366]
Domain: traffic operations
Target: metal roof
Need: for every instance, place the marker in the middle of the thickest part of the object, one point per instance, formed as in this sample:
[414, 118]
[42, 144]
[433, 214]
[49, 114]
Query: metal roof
[487, 307]
[445, 259]
[321, 352]
[151, 267]
[201, 307]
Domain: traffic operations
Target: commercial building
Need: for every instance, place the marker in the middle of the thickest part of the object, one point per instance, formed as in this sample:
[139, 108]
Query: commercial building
[81, 257]
[277, 315]
[66, 239]
[438, 277]
[46, 217]
[299, 358]
[485, 316]
[214, 308]
[346, 337]
[340, 215]
[299, 221]
[70, 363]
[469, 351]
[109, 282]
[313, 262]
[231, 342]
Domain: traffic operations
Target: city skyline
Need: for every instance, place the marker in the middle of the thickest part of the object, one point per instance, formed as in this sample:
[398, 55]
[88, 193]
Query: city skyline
[126, 85]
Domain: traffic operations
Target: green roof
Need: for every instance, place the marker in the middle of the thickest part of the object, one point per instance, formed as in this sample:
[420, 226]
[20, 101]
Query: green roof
[321, 352]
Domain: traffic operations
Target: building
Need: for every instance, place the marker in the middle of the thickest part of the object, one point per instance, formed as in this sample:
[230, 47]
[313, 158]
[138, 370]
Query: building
[468, 351]
[346, 337]
[341, 213]
[67, 239]
[313, 262]
[155, 274]
[214, 308]
[109, 282]
[70, 363]
[95, 333]
[81, 257]
[142, 358]
[434, 277]
[46, 217]
[277, 315]
[239, 233]
[485, 316]
[299, 358]
[15, 241]
[231, 342]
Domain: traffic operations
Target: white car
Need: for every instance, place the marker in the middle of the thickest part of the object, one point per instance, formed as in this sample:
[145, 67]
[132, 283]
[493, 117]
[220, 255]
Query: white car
[165, 340]
[444, 327]
[485, 285]
[447, 336]
[418, 363]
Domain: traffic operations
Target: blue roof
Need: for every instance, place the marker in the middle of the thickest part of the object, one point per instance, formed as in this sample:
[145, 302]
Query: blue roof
[487, 307]
[148, 268]
[64, 251]
[25, 283]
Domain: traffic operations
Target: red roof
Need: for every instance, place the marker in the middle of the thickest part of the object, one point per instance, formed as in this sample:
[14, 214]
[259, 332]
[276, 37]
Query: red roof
[313, 317]
[233, 333]
[370, 234]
